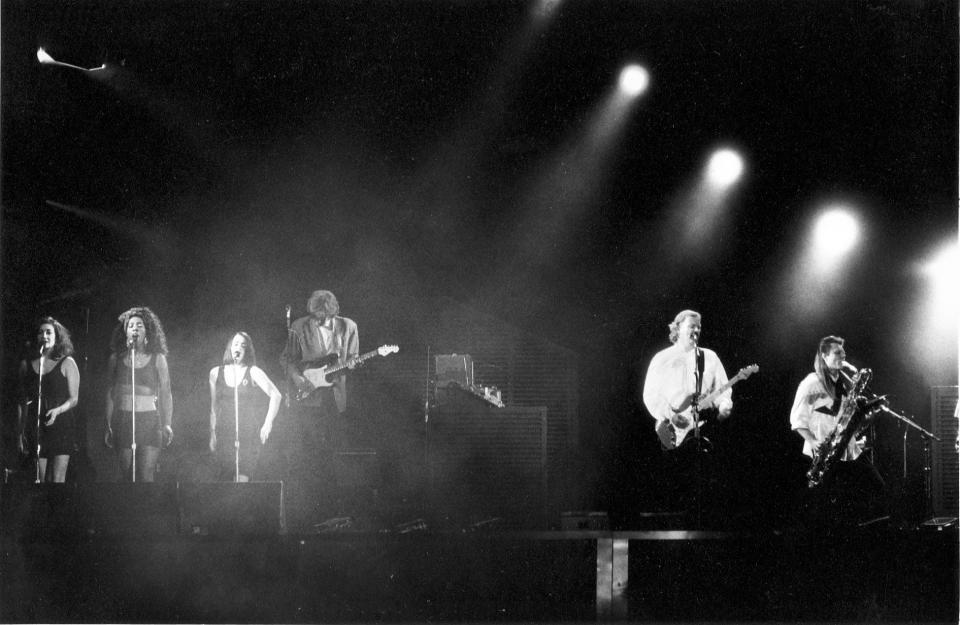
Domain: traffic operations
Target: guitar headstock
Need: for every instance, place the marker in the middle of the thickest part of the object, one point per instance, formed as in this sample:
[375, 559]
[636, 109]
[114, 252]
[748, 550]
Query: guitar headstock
[383, 350]
[746, 372]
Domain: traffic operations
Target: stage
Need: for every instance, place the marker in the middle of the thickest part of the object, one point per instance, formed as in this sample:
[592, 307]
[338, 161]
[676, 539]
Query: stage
[178, 554]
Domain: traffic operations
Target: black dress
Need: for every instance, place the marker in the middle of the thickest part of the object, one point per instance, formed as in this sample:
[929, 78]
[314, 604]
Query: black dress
[58, 439]
[251, 401]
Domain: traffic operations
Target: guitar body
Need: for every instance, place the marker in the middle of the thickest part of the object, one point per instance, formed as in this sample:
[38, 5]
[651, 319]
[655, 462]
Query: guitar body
[682, 427]
[316, 370]
[682, 422]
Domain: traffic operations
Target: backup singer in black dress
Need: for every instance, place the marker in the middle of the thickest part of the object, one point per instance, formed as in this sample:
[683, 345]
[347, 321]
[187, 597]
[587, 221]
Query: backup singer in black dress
[58, 390]
[152, 401]
[240, 363]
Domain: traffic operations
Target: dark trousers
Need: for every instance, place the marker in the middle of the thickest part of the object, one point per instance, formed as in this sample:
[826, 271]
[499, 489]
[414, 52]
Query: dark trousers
[696, 481]
[318, 436]
[853, 492]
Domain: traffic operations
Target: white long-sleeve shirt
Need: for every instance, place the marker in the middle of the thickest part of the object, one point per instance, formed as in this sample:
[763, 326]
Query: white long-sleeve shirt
[811, 410]
[671, 379]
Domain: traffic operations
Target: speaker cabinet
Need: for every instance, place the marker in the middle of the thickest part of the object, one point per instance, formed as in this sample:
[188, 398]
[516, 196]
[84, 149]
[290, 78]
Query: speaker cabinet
[55, 511]
[491, 459]
[943, 421]
[128, 509]
[232, 508]
[30, 511]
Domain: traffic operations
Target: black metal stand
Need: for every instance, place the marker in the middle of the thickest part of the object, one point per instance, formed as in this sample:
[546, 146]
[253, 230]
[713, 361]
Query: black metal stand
[695, 412]
[133, 411]
[236, 421]
[39, 413]
[426, 427]
[927, 436]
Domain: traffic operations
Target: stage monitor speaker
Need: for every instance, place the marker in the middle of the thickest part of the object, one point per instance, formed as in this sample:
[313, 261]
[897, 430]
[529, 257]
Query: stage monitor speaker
[232, 508]
[128, 509]
[35, 511]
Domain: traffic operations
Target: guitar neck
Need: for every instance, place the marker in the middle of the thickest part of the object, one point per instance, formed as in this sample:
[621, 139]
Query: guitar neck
[356, 360]
[706, 401]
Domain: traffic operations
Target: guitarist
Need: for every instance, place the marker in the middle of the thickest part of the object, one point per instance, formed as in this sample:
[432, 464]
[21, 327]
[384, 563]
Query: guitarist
[678, 373]
[690, 482]
[322, 336]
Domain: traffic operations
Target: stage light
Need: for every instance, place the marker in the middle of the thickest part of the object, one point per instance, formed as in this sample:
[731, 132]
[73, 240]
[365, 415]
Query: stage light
[724, 168]
[942, 272]
[930, 334]
[835, 234]
[46, 59]
[634, 80]
[544, 9]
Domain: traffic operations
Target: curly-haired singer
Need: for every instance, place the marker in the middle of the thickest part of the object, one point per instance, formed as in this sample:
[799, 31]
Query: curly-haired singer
[139, 407]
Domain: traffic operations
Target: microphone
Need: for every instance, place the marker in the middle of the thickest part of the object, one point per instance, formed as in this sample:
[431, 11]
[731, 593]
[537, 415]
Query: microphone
[236, 358]
[132, 341]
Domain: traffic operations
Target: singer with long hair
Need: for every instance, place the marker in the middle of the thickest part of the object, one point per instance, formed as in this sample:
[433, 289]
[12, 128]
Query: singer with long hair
[139, 385]
[237, 389]
[855, 490]
[49, 391]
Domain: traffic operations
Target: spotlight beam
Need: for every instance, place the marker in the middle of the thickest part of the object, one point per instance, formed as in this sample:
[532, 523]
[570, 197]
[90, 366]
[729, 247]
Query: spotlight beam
[46, 59]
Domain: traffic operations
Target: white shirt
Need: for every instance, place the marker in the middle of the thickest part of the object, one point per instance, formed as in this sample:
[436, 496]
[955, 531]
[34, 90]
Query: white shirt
[811, 410]
[671, 379]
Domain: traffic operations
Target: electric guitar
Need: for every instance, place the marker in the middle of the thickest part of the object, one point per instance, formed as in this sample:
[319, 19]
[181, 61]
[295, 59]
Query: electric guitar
[681, 421]
[322, 372]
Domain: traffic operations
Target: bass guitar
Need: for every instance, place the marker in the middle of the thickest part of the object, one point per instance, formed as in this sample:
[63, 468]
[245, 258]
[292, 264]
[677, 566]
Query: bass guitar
[682, 419]
[322, 373]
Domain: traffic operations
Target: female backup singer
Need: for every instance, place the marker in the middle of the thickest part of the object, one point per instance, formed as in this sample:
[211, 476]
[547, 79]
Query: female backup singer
[226, 394]
[52, 382]
[139, 385]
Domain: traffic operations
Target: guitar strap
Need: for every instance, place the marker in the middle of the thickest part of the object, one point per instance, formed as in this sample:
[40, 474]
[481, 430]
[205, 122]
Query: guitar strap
[699, 372]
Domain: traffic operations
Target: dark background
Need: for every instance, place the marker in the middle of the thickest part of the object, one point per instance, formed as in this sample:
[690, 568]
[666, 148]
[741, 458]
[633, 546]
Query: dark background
[235, 156]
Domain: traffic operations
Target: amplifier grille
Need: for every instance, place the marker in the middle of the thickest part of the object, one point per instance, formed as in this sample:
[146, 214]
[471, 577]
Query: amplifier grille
[944, 453]
[490, 458]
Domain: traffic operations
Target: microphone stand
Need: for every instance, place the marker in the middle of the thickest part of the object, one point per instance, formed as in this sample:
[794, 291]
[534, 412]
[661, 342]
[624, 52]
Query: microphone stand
[133, 410]
[39, 411]
[927, 464]
[236, 419]
[287, 388]
[696, 433]
[426, 426]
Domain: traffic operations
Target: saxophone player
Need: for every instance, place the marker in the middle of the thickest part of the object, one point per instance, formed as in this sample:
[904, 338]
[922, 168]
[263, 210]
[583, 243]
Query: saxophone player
[855, 486]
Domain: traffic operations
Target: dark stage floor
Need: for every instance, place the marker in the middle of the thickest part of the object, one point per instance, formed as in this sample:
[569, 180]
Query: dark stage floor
[186, 557]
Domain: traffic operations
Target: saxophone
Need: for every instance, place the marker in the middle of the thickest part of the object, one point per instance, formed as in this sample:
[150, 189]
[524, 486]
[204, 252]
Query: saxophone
[856, 412]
